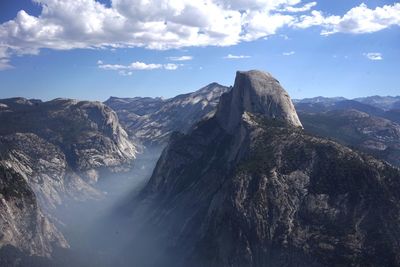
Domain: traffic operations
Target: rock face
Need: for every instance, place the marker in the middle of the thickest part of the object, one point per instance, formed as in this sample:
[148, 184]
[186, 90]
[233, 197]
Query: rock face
[22, 223]
[88, 132]
[52, 153]
[258, 93]
[249, 187]
[45, 168]
[152, 120]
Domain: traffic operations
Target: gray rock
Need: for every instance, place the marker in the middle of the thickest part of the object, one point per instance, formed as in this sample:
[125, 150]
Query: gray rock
[152, 120]
[259, 93]
[371, 134]
[22, 223]
[268, 194]
[59, 149]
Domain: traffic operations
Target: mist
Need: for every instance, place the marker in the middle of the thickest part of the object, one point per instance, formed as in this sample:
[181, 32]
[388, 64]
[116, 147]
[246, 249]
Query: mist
[105, 232]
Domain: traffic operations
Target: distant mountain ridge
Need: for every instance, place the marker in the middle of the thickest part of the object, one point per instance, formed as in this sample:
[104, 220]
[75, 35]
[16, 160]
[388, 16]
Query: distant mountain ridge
[152, 120]
[370, 124]
[380, 103]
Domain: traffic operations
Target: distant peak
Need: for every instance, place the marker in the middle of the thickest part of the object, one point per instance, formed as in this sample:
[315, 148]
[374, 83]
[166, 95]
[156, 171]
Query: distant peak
[256, 92]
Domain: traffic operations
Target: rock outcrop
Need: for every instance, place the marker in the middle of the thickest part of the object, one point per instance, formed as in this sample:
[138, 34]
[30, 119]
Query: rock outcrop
[258, 93]
[22, 223]
[249, 187]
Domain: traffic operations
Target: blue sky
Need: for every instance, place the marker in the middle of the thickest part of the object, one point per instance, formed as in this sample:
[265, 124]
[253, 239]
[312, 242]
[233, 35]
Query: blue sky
[79, 49]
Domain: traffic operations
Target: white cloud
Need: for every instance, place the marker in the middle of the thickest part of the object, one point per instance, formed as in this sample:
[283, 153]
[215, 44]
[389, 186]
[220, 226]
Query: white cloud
[357, 20]
[230, 56]
[303, 8]
[126, 70]
[182, 58]
[290, 53]
[166, 24]
[143, 66]
[155, 24]
[373, 56]
[4, 59]
[170, 66]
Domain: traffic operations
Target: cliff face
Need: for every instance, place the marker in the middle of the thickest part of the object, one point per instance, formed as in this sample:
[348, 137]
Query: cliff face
[45, 168]
[258, 93]
[88, 132]
[22, 223]
[250, 188]
[55, 151]
[61, 145]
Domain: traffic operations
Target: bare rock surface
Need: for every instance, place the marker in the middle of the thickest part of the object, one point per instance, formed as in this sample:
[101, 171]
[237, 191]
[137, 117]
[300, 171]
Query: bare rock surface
[52, 153]
[249, 187]
[259, 93]
[22, 223]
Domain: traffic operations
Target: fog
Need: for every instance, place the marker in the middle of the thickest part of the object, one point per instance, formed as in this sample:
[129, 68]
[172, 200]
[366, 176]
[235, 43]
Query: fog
[104, 232]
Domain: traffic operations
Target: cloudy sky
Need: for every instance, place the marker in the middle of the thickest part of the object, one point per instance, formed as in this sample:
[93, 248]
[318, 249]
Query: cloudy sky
[91, 49]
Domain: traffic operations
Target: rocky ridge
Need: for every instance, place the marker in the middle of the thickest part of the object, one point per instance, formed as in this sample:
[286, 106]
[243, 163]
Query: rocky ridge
[256, 190]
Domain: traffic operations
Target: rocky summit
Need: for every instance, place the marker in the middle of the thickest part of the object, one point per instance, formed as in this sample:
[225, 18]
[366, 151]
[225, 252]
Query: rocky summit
[248, 187]
[256, 92]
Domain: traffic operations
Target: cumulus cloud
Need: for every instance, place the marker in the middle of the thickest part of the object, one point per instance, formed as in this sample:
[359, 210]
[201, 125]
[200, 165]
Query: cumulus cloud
[374, 56]
[182, 58]
[290, 53]
[230, 56]
[126, 70]
[167, 24]
[357, 20]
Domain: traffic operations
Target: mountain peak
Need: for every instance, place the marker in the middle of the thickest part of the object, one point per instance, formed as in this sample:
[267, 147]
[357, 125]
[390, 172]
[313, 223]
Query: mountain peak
[256, 92]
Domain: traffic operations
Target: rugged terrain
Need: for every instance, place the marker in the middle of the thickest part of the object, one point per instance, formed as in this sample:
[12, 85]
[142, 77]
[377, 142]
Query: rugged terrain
[22, 222]
[360, 123]
[240, 182]
[374, 135]
[53, 154]
[152, 120]
[249, 187]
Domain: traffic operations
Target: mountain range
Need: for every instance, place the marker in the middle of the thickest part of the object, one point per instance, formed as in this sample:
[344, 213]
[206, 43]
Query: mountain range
[224, 176]
[249, 187]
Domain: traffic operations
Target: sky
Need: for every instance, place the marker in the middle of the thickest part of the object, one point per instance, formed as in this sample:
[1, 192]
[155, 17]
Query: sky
[87, 49]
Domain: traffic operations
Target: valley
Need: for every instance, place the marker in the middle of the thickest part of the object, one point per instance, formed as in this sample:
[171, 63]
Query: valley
[224, 176]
